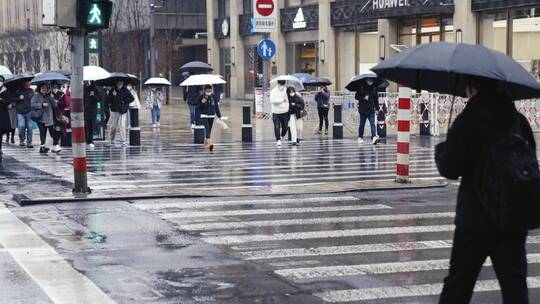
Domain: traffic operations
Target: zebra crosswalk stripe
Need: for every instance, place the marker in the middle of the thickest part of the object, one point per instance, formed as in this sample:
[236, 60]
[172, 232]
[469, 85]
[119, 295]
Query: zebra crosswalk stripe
[380, 293]
[239, 239]
[303, 221]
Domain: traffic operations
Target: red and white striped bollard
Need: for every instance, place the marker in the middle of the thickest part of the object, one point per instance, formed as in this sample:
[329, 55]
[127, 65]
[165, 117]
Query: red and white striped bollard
[404, 134]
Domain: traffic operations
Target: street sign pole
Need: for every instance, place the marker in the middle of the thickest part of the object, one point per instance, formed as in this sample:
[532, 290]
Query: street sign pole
[265, 72]
[152, 39]
[77, 112]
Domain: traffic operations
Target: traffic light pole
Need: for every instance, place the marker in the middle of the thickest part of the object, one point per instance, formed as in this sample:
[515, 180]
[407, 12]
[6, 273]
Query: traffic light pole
[152, 39]
[77, 112]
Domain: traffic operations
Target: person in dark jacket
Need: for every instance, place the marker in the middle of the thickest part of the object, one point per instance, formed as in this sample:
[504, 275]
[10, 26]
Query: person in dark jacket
[23, 107]
[368, 99]
[90, 112]
[208, 108]
[323, 106]
[10, 137]
[194, 95]
[296, 106]
[5, 124]
[119, 99]
[488, 114]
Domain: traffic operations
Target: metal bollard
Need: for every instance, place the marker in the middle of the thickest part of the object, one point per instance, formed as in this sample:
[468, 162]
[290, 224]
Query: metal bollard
[338, 123]
[199, 134]
[247, 127]
[381, 119]
[134, 129]
[404, 134]
[65, 140]
[425, 122]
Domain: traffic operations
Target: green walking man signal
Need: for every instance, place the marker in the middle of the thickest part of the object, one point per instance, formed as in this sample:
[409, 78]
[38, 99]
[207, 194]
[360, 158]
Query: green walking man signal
[94, 14]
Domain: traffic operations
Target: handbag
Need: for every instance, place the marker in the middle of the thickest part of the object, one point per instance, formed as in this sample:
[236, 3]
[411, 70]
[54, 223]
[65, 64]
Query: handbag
[61, 118]
[37, 114]
[222, 124]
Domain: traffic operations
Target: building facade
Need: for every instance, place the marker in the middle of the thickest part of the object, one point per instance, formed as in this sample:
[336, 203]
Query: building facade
[27, 46]
[339, 39]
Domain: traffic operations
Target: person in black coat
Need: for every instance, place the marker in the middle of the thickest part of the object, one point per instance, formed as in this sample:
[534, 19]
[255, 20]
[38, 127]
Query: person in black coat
[323, 106]
[90, 112]
[368, 100]
[119, 99]
[194, 95]
[488, 114]
[296, 106]
[208, 108]
[5, 123]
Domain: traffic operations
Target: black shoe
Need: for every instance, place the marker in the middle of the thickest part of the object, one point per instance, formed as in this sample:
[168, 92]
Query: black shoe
[29, 146]
[43, 150]
[298, 140]
[13, 140]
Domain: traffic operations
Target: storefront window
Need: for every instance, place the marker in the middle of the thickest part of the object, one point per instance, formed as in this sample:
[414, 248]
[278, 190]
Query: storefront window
[494, 30]
[305, 58]
[301, 2]
[369, 55]
[526, 38]
[425, 30]
[407, 32]
[448, 26]
[253, 70]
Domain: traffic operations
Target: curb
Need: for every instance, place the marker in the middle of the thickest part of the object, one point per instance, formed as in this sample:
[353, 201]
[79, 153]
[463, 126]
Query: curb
[24, 200]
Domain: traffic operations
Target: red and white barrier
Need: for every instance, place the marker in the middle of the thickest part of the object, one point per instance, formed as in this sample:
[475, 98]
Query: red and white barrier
[404, 134]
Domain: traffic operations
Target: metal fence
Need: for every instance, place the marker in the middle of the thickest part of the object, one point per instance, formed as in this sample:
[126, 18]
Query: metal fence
[432, 110]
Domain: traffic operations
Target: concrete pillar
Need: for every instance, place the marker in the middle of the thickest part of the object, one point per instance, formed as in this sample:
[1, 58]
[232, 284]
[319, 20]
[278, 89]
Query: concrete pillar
[389, 29]
[237, 51]
[327, 42]
[212, 42]
[465, 20]
[280, 60]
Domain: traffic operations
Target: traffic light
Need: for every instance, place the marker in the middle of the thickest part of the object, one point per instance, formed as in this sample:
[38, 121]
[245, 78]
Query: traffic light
[94, 14]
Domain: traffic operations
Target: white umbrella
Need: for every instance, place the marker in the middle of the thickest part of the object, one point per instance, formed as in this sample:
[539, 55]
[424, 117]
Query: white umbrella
[94, 73]
[157, 81]
[290, 81]
[202, 79]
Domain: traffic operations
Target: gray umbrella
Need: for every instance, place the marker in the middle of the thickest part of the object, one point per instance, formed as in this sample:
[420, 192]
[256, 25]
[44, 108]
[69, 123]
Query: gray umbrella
[49, 77]
[196, 67]
[18, 80]
[442, 67]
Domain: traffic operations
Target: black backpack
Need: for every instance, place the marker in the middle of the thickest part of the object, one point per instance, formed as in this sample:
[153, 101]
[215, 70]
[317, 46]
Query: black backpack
[508, 183]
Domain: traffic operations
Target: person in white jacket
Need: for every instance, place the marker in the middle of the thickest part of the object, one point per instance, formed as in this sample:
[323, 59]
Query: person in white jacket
[280, 110]
[154, 101]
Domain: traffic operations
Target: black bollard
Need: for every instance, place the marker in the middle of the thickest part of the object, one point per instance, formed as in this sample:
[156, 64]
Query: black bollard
[65, 140]
[381, 120]
[338, 123]
[425, 123]
[247, 127]
[134, 129]
[199, 132]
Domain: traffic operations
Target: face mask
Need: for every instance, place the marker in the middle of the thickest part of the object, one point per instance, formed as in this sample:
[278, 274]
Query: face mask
[1, 84]
[292, 94]
[370, 82]
[208, 93]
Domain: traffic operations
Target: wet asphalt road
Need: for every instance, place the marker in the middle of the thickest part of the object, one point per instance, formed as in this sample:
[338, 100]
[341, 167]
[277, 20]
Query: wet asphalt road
[347, 247]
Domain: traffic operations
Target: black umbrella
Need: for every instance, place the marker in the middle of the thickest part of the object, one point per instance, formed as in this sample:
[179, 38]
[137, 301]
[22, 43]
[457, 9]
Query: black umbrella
[443, 67]
[115, 77]
[321, 81]
[18, 80]
[306, 79]
[196, 67]
[49, 77]
[63, 72]
[359, 82]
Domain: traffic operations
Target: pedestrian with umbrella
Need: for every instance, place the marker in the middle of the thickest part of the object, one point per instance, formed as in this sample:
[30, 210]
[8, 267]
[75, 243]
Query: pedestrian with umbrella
[43, 107]
[91, 99]
[280, 110]
[118, 99]
[323, 106]
[296, 111]
[10, 136]
[209, 109]
[5, 124]
[155, 98]
[492, 148]
[21, 85]
[366, 87]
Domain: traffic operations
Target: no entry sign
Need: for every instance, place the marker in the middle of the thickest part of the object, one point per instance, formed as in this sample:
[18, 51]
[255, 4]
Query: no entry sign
[264, 16]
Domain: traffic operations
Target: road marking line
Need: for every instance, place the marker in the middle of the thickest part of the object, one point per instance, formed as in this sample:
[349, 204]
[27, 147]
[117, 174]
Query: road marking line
[177, 215]
[239, 239]
[379, 268]
[379, 293]
[254, 201]
[54, 275]
[308, 221]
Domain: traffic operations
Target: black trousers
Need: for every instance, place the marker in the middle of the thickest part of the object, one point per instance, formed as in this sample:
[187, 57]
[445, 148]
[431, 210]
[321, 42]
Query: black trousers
[43, 134]
[470, 250]
[208, 124]
[323, 117]
[89, 130]
[281, 124]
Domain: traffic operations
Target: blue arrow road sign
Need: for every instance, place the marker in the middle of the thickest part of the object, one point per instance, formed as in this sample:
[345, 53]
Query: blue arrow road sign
[266, 49]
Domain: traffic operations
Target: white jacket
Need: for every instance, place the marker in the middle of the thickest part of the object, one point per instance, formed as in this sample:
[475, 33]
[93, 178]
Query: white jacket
[154, 95]
[279, 101]
[135, 104]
